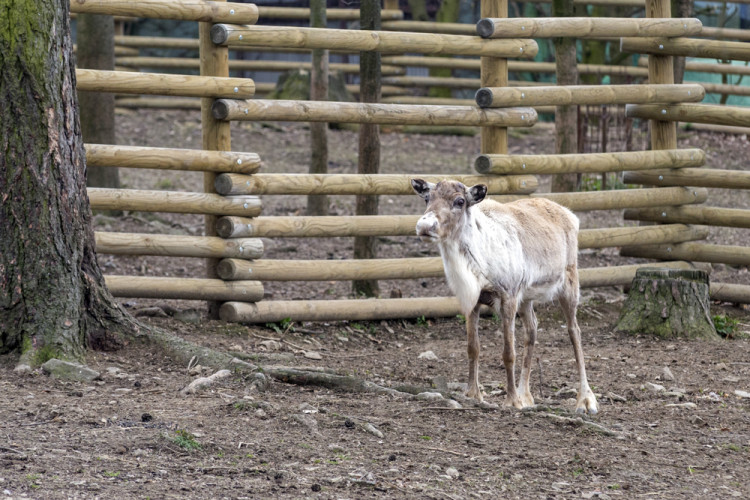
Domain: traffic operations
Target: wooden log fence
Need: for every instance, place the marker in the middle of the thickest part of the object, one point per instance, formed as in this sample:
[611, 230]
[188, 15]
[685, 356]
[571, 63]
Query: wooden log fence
[737, 116]
[178, 245]
[710, 216]
[197, 160]
[199, 10]
[430, 267]
[586, 27]
[382, 41]
[590, 162]
[382, 114]
[332, 14]
[701, 177]
[126, 82]
[732, 255]
[148, 287]
[705, 67]
[140, 200]
[689, 47]
[357, 184]
[587, 95]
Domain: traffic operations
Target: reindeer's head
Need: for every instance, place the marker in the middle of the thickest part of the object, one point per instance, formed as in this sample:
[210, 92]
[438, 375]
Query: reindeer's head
[447, 205]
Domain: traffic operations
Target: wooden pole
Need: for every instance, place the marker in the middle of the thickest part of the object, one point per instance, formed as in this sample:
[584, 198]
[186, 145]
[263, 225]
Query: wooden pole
[710, 216]
[701, 177]
[359, 184]
[660, 70]
[171, 159]
[173, 202]
[318, 204]
[689, 47]
[178, 245]
[590, 162]
[147, 287]
[732, 255]
[494, 73]
[737, 116]
[301, 13]
[492, 97]
[381, 41]
[216, 134]
[370, 112]
[585, 27]
[211, 12]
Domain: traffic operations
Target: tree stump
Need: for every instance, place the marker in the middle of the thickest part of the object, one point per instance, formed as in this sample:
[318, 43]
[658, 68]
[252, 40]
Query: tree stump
[668, 303]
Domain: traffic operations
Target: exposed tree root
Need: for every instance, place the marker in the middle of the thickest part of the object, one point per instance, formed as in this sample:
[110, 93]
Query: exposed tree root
[578, 421]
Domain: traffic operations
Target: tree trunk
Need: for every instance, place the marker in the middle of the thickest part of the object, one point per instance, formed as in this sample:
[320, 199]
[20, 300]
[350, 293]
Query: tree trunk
[447, 13]
[318, 204]
[96, 50]
[53, 301]
[681, 8]
[566, 117]
[369, 143]
[668, 303]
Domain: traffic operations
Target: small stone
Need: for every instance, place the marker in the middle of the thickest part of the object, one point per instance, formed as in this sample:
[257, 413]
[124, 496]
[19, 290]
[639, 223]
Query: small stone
[452, 472]
[654, 387]
[689, 406]
[195, 370]
[122, 390]
[722, 366]
[271, 345]
[428, 355]
[452, 403]
[373, 430]
[566, 392]
[631, 375]
[315, 487]
[429, 396]
[313, 355]
[666, 374]
[261, 414]
[21, 369]
[336, 448]
[65, 370]
[742, 394]
[307, 408]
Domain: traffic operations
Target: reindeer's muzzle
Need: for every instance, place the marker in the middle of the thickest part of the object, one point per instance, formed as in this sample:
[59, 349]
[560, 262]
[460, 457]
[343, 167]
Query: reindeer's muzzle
[427, 227]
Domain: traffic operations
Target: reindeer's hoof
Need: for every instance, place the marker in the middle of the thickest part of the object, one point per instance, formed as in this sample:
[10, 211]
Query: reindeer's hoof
[475, 393]
[526, 400]
[514, 402]
[587, 405]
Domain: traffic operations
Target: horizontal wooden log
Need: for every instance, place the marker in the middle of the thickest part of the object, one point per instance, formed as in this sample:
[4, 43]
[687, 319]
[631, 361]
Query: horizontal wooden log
[382, 114]
[733, 255]
[187, 103]
[730, 292]
[556, 95]
[203, 10]
[178, 245]
[702, 177]
[721, 129]
[704, 67]
[303, 13]
[428, 267]
[717, 88]
[430, 27]
[351, 184]
[585, 27]
[725, 33]
[173, 202]
[689, 47]
[710, 216]
[623, 275]
[157, 42]
[623, 198]
[382, 41]
[148, 287]
[128, 82]
[588, 162]
[246, 65]
[197, 160]
[736, 116]
[431, 81]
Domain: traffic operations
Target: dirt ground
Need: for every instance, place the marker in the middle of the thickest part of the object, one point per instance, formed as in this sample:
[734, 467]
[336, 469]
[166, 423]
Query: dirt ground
[673, 419]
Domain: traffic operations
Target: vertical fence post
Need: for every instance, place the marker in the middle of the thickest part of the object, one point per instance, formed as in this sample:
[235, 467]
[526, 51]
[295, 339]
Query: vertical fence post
[214, 61]
[494, 73]
[661, 70]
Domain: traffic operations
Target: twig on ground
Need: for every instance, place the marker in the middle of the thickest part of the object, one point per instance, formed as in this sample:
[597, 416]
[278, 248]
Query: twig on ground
[577, 421]
[443, 450]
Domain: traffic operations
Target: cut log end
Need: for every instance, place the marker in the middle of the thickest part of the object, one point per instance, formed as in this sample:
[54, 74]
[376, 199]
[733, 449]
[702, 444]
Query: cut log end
[220, 108]
[219, 34]
[485, 28]
[483, 97]
[482, 164]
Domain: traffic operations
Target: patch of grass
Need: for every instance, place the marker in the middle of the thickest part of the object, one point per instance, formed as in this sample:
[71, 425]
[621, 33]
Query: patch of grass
[425, 438]
[422, 321]
[725, 326]
[185, 440]
[614, 486]
[461, 318]
[33, 480]
[283, 326]
[164, 184]
[577, 472]
[111, 474]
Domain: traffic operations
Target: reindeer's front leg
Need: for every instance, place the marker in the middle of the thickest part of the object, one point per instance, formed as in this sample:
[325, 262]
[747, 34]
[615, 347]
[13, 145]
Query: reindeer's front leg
[528, 319]
[472, 337]
[508, 309]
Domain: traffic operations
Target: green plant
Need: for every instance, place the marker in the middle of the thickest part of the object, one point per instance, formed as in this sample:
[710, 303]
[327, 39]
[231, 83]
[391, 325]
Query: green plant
[426, 438]
[164, 184]
[283, 326]
[725, 326]
[33, 480]
[185, 440]
[111, 474]
[422, 321]
[461, 318]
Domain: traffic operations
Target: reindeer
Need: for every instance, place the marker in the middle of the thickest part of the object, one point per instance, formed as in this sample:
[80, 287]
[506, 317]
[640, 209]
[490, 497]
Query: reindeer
[506, 256]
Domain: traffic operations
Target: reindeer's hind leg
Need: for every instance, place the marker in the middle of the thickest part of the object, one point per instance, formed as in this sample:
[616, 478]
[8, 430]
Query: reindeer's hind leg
[508, 309]
[472, 337]
[528, 319]
[586, 402]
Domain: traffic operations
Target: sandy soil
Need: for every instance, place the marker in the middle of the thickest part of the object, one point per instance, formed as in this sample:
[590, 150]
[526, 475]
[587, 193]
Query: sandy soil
[132, 434]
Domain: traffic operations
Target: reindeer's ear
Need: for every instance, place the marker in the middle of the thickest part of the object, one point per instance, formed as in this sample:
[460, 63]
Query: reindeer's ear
[476, 194]
[422, 188]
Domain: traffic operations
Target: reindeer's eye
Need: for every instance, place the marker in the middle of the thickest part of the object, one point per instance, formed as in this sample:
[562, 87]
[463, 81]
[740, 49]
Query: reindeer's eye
[459, 202]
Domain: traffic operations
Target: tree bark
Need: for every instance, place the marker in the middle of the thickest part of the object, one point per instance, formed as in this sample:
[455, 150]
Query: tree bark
[365, 247]
[668, 303]
[96, 50]
[318, 204]
[566, 117]
[53, 301]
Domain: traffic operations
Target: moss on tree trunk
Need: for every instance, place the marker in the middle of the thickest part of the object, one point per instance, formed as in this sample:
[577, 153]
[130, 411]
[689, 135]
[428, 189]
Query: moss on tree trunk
[668, 303]
[53, 302]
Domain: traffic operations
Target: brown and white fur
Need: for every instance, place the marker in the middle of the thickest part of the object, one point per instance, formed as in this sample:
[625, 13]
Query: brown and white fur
[506, 256]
